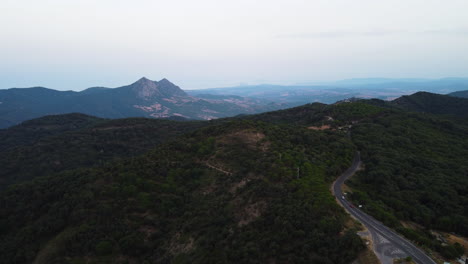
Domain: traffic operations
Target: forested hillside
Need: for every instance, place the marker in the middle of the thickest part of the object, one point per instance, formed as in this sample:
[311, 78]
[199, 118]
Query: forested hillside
[416, 165]
[434, 104]
[29, 132]
[463, 94]
[416, 170]
[56, 143]
[237, 192]
[250, 189]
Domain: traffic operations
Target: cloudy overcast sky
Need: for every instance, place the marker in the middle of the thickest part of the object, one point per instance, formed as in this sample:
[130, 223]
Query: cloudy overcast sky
[75, 44]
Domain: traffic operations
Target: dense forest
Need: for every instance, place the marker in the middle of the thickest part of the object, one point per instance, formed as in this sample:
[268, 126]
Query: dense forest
[249, 189]
[416, 165]
[237, 191]
[434, 104]
[29, 132]
[416, 170]
[57, 143]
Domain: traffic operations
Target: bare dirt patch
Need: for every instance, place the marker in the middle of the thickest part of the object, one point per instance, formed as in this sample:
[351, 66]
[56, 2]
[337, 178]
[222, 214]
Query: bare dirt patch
[180, 245]
[250, 138]
[352, 223]
[346, 189]
[323, 127]
[250, 212]
[238, 185]
[218, 168]
[367, 257]
[147, 231]
[411, 225]
[452, 239]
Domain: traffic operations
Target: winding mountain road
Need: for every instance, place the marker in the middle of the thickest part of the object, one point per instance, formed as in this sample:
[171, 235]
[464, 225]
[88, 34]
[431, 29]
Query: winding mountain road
[387, 243]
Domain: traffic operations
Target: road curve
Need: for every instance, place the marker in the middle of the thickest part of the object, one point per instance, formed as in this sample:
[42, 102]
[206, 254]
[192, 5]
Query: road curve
[376, 228]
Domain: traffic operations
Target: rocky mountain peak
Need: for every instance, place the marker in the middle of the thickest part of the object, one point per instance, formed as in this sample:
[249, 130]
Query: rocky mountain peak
[148, 89]
[143, 80]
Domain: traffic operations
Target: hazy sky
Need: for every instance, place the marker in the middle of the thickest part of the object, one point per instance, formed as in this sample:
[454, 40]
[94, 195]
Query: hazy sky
[75, 44]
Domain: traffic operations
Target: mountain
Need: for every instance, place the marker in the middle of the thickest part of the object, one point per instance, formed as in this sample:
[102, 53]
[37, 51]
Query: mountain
[163, 99]
[463, 94]
[143, 98]
[433, 103]
[377, 81]
[434, 85]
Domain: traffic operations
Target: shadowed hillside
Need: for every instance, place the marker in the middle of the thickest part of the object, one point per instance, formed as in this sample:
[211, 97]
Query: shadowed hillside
[434, 104]
[237, 192]
[56, 143]
[463, 94]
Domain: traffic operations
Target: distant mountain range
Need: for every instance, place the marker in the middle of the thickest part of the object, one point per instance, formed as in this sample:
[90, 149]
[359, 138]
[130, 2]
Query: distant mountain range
[330, 92]
[143, 98]
[163, 99]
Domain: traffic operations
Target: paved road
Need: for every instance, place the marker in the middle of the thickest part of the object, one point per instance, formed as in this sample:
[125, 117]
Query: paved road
[387, 243]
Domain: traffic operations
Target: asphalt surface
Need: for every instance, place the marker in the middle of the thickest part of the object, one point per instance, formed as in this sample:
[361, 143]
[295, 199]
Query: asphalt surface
[387, 243]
